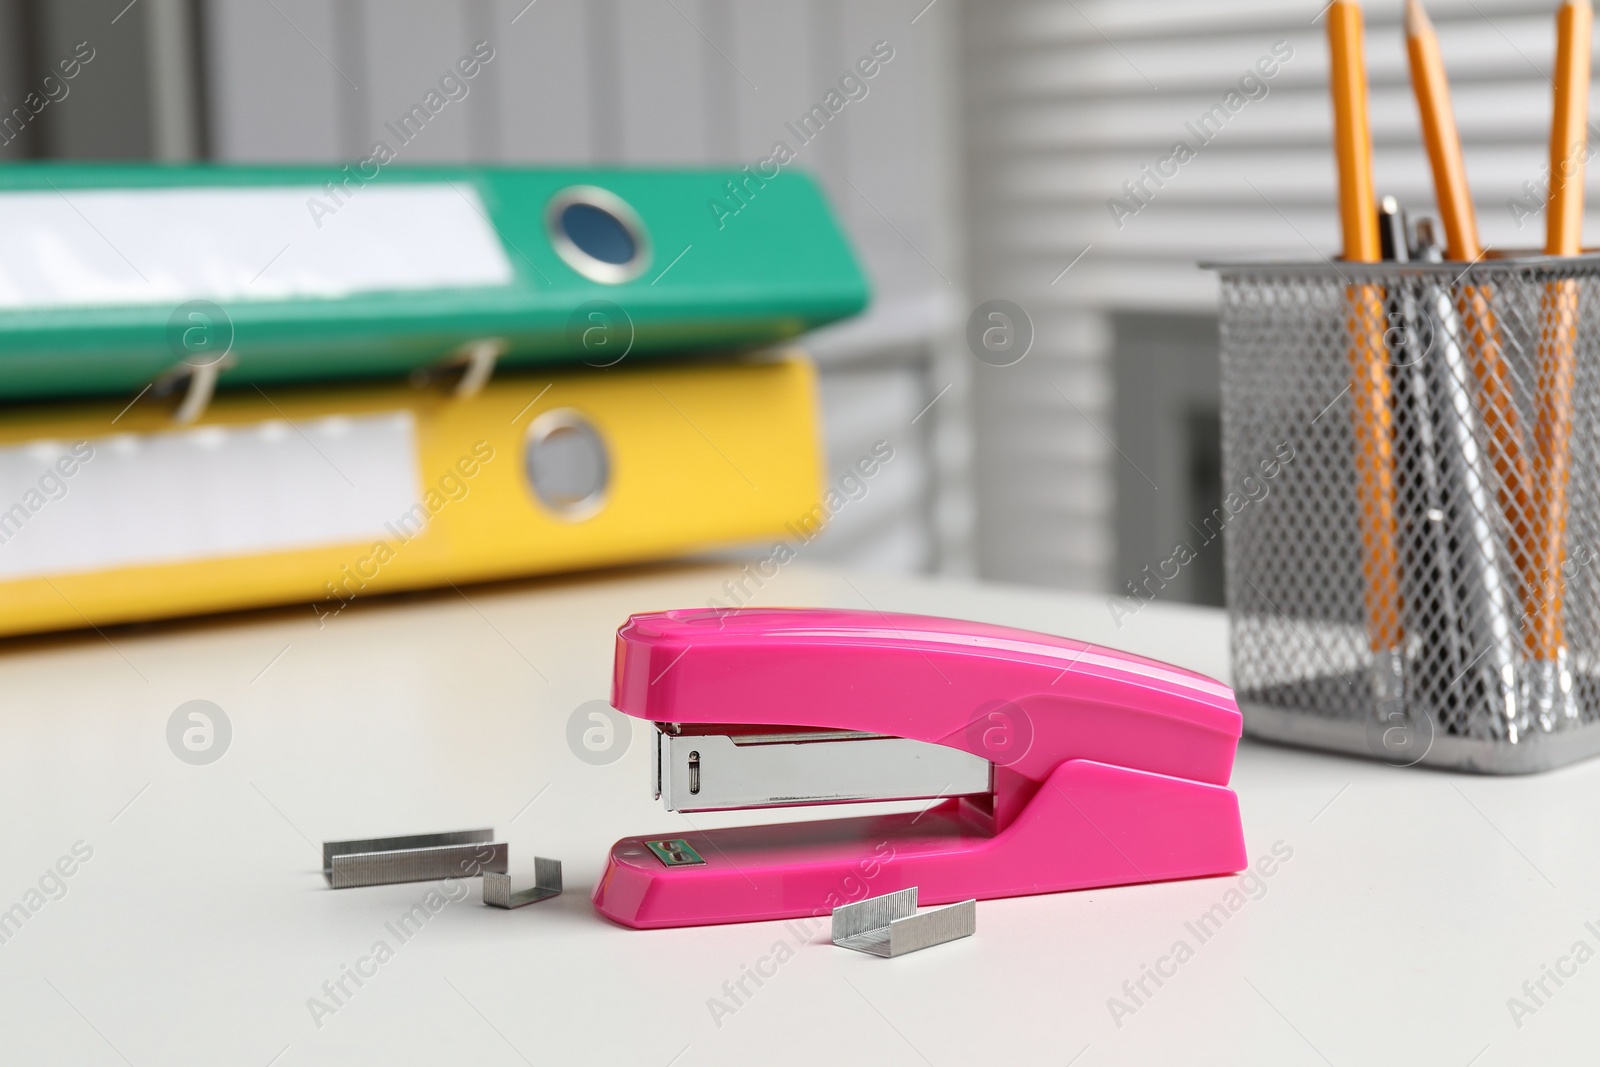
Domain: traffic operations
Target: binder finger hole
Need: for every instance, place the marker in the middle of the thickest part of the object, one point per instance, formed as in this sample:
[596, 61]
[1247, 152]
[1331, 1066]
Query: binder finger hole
[567, 464]
[598, 234]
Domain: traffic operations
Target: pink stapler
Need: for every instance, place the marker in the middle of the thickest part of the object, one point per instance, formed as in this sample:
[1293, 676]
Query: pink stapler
[1056, 764]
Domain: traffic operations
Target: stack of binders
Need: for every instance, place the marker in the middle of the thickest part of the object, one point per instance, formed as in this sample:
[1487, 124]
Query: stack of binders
[223, 387]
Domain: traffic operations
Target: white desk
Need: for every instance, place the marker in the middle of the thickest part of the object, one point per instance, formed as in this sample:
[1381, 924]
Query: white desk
[1415, 903]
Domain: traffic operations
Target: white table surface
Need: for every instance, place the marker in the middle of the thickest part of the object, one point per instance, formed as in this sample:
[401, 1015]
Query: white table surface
[1414, 905]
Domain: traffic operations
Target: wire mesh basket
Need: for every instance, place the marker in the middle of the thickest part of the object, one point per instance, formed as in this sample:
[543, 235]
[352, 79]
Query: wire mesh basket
[1412, 529]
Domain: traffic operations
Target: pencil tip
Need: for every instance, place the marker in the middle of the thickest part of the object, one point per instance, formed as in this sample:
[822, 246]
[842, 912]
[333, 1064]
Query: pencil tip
[1417, 21]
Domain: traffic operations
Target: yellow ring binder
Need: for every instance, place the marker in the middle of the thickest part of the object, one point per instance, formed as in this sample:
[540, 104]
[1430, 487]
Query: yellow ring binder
[330, 496]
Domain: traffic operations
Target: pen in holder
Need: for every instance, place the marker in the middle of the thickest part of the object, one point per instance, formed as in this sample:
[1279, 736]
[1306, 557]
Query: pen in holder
[1475, 621]
[1438, 479]
[1468, 367]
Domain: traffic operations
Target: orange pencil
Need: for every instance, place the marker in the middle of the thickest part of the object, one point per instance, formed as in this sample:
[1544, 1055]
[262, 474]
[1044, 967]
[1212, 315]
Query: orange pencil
[1352, 135]
[1552, 699]
[1432, 90]
[1568, 130]
[1454, 197]
[1370, 388]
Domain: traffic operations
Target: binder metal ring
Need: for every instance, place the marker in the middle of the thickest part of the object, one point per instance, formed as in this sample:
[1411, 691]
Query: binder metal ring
[567, 464]
[601, 206]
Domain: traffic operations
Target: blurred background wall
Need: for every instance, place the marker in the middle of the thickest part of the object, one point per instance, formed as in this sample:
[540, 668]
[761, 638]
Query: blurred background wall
[1011, 149]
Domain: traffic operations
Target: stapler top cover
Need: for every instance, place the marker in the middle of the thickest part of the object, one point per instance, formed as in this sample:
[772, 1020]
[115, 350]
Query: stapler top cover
[928, 679]
[114, 274]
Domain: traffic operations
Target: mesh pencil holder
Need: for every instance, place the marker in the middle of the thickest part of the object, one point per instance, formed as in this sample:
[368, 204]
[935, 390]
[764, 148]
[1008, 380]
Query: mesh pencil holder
[1411, 521]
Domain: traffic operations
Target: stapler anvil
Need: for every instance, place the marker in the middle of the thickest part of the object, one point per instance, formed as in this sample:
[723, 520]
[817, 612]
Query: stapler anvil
[1055, 764]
